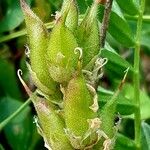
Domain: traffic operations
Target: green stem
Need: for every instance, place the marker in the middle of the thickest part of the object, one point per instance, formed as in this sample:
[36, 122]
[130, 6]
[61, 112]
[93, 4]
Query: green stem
[21, 108]
[146, 18]
[105, 22]
[21, 33]
[137, 77]
[51, 24]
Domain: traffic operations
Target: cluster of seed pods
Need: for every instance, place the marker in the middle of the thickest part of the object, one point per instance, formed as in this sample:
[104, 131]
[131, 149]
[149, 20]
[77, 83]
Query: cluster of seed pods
[65, 100]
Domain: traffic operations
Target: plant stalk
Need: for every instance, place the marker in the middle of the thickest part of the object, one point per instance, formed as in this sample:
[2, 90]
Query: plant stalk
[49, 25]
[146, 18]
[11, 117]
[21, 33]
[137, 77]
[105, 22]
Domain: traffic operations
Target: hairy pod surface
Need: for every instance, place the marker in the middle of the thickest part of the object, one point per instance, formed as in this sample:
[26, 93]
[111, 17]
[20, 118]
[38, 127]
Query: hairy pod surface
[51, 126]
[108, 115]
[76, 107]
[88, 34]
[38, 43]
[62, 59]
[54, 61]
[72, 16]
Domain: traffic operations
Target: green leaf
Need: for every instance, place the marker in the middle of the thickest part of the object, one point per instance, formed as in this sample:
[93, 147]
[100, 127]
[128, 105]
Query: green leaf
[145, 105]
[116, 65]
[13, 17]
[125, 106]
[115, 59]
[1, 147]
[128, 92]
[109, 47]
[118, 28]
[145, 40]
[55, 4]
[19, 131]
[117, 10]
[124, 143]
[83, 5]
[8, 81]
[128, 6]
[145, 136]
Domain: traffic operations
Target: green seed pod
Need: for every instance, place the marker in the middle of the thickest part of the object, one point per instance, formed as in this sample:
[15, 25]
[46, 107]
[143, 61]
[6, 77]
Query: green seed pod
[88, 35]
[72, 16]
[108, 112]
[107, 117]
[51, 126]
[107, 127]
[38, 43]
[62, 59]
[77, 110]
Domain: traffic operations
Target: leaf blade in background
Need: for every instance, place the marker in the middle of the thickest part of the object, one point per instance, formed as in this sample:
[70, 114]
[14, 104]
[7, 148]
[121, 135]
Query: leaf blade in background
[8, 81]
[124, 143]
[145, 139]
[128, 92]
[118, 28]
[115, 58]
[128, 6]
[125, 106]
[145, 39]
[82, 5]
[19, 131]
[13, 17]
[1, 147]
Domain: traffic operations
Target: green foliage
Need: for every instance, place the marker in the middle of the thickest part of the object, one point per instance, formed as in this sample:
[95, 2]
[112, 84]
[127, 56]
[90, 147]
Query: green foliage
[125, 106]
[19, 131]
[144, 100]
[124, 143]
[145, 136]
[9, 88]
[13, 13]
[130, 8]
[119, 28]
[115, 59]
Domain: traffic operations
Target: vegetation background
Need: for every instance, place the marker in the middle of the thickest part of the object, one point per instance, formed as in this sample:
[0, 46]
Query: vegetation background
[20, 133]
